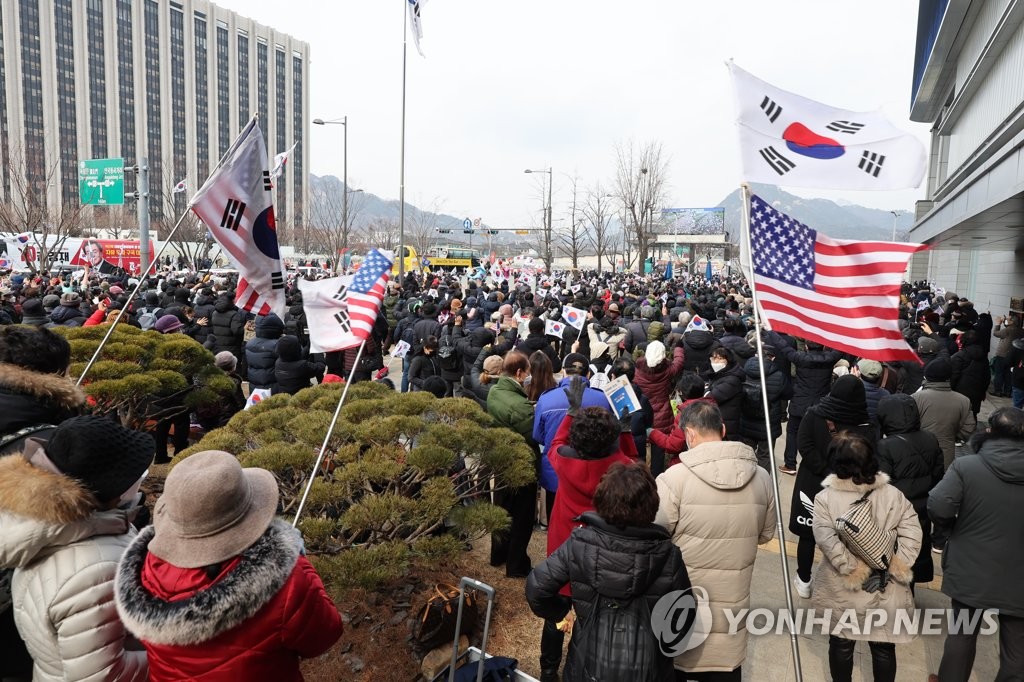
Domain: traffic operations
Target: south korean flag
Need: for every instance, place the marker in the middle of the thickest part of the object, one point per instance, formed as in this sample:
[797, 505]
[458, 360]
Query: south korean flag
[786, 139]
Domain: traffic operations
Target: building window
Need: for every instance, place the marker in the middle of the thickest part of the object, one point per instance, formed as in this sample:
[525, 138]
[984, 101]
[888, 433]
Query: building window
[97, 79]
[5, 143]
[32, 98]
[67, 133]
[281, 121]
[243, 80]
[262, 82]
[202, 103]
[178, 110]
[297, 132]
[151, 19]
[223, 96]
[126, 87]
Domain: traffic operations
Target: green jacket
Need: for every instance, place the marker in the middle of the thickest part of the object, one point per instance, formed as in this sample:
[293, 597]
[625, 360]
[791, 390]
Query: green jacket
[507, 403]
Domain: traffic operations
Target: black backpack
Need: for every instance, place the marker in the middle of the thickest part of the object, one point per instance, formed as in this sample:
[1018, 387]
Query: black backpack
[446, 355]
[616, 642]
[752, 407]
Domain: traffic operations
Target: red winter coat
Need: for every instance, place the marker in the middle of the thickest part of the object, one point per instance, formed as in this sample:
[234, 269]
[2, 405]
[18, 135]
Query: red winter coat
[254, 620]
[675, 442]
[658, 384]
[577, 480]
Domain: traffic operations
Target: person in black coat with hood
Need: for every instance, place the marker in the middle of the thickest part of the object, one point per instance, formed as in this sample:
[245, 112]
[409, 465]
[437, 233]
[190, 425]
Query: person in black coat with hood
[914, 462]
[261, 351]
[470, 343]
[616, 559]
[752, 422]
[537, 341]
[725, 385]
[292, 371]
[970, 370]
[203, 310]
[812, 381]
[227, 329]
[843, 409]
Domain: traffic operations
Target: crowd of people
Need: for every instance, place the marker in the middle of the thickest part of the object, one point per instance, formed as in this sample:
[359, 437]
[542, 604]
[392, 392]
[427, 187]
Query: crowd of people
[674, 495]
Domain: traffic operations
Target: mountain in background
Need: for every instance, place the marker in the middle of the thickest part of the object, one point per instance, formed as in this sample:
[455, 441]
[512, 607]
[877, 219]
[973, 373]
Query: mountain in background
[840, 219]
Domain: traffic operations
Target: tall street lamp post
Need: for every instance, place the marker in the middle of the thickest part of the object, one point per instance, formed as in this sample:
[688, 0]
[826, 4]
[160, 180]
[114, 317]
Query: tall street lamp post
[547, 218]
[343, 121]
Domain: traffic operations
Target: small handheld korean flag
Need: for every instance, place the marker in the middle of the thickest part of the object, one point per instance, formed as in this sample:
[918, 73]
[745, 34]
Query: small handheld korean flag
[236, 205]
[552, 328]
[180, 187]
[786, 139]
[416, 24]
[401, 349]
[574, 316]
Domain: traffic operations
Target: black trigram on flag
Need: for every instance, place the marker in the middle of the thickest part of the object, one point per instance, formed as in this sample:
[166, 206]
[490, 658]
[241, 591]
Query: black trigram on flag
[267, 185]
[233, 212]
[341, 317]
[770, 108]
[848, 127]
[871, 163]
[276, 280]
[779, 163]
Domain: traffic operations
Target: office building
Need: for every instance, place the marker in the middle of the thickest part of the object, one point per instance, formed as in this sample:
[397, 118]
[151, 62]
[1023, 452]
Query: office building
[170, 80]
[968, 82]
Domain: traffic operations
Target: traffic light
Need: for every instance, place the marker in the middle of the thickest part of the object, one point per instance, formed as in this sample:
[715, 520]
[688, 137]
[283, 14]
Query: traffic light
[443, 231]
[492, 232]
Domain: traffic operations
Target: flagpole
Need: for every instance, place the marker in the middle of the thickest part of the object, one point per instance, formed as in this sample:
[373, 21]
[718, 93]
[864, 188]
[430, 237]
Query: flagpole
[780, 532]
[401, 181]
[327, 438]
[131, 297]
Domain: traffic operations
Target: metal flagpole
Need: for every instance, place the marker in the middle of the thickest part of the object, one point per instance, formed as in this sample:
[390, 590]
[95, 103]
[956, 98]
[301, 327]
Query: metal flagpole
[401, 182]
[772, 468]
[131, 297]
[330, 430]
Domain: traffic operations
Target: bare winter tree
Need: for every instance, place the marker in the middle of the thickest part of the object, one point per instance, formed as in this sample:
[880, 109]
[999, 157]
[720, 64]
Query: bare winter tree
[574, 238]
[329, 230]
[421, 225]
[640, 176]
[191, 239]
[598, 212]
[26, 208]
[380, 233]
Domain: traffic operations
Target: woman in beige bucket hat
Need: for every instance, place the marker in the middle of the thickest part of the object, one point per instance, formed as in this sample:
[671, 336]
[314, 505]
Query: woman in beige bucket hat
[217, 589]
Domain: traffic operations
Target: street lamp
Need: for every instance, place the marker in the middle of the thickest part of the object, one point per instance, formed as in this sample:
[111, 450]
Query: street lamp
[547, 222]
[895, 216]
[343, 121]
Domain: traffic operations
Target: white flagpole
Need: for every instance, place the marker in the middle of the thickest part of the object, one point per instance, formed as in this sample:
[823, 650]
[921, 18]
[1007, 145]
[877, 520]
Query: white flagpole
[131, 297]
[330, 430]
[401, 181]
[780, 532]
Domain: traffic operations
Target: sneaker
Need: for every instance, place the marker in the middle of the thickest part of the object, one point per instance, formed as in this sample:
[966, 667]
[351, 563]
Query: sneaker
[787, 470]
[550, 676]
[937, 550]
[802, 588]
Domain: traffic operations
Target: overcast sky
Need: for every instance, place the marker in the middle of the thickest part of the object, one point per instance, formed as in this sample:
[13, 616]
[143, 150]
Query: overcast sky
[535, 83]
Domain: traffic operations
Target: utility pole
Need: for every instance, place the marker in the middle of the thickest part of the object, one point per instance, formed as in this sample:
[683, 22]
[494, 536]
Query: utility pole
[143, 210]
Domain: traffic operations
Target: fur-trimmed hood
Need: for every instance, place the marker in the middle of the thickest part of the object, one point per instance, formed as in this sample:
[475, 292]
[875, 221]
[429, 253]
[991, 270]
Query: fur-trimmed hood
[263, 570]
[36, 494]
[847, 484]
[48, 388]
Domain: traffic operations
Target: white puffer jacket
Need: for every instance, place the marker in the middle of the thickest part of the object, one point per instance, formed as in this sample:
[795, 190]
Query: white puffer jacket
[718, 506]
[65, 558]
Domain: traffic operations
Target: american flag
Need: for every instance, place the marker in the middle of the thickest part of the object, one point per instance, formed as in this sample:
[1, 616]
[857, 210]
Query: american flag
[842, 293]
[341, 311]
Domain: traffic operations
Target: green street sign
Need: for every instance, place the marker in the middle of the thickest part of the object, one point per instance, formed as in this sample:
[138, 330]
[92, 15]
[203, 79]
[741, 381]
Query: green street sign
[101, 181]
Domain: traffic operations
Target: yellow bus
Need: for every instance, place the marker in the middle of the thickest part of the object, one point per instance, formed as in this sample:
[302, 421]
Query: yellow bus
[452, 257]
[412, 262]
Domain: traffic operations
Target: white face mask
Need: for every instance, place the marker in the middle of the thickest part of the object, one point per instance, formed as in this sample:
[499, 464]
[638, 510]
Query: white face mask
[718, 366]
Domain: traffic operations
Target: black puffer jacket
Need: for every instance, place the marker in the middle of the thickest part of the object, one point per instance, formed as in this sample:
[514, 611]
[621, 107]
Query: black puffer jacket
[261, 352]
[292, 371]
[698, 345]
[813, 373]
[752, 409]
[970, 374]
[726, 387]
[913, 460]
[31, 399]
[203, 308]
[538, 342]
[470, 343]
[738, 345]
[608, 569]
[227, 326]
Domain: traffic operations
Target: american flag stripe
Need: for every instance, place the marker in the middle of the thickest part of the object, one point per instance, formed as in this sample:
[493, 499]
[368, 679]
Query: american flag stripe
[844, 294]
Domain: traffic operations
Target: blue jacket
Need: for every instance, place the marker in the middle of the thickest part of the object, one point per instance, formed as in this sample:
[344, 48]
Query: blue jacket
[551, 408]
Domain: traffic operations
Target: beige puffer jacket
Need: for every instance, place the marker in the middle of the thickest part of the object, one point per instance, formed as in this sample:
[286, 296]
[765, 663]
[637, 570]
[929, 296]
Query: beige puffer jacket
[65, 558]
[838, 580]
[718, 506]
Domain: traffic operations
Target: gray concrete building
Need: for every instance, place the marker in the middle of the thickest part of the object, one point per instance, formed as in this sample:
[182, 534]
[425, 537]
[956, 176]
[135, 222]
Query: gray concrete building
[968, 82]
[170, 80]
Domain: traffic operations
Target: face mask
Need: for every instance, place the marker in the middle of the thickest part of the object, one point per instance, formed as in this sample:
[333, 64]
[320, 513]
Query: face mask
[718, 366]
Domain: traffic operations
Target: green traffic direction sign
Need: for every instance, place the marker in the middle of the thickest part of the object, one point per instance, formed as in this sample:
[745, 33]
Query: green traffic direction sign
[101, 181]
